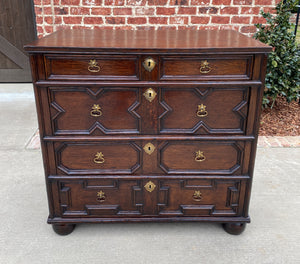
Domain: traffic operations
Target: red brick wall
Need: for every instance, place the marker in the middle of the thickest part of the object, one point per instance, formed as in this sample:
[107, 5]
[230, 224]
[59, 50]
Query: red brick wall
[240, 15]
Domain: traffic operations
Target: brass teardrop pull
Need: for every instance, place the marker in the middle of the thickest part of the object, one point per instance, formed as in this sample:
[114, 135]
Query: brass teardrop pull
[99, 158]
[197, 196]
[93, 66]
[201, 112]
[205, 67]
[200, 156]
[101, 196]
[96, 111]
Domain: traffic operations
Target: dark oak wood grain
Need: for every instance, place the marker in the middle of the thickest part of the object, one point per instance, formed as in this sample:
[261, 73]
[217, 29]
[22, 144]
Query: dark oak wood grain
[78, 67]
[218, 67]
[113, 154]
[147, 41]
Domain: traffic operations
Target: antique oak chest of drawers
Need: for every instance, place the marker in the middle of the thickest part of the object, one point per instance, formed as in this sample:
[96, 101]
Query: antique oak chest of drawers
[143, 126]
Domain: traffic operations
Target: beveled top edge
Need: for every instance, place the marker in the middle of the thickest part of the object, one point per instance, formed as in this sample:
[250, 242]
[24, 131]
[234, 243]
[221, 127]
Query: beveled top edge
[146, 40]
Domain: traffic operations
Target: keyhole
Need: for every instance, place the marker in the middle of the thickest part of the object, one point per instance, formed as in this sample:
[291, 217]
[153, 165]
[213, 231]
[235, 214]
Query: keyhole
[149, 63]
[150, 94]
[149, 148]
[150, 186]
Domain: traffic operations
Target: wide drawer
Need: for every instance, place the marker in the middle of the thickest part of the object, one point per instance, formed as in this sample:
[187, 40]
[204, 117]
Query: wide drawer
[79, 67]
[205, 110]
[94, 198]
[152, 157]
[191, 197]
[206, 67]
[98, 110]
[98, 158]
[201, 157]
[94, 110]
[133, 198]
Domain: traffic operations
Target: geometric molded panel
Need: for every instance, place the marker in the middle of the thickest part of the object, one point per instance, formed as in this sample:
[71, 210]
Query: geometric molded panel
[72, 110]
[81, 158]
[78, 200]
[226, 110]
[219, 197]
[220, 157]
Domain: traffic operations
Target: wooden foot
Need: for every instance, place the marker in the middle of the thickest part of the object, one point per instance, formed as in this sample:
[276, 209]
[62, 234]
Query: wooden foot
[63, 229]
[234, 228]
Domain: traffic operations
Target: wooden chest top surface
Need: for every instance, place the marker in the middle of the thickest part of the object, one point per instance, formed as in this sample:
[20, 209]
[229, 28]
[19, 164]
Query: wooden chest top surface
[165, 40]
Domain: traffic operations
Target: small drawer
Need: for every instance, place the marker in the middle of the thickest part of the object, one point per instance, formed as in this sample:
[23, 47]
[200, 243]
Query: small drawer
[98, 158]
[205, 110]
[91, 67]
[191, 197]
[94, 110]
[98, 198]
[201, 157]
[233, 67]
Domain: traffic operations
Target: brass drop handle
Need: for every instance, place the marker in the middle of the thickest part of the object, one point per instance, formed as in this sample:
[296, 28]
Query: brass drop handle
[101, 196]
[200, 156]
[205, 68]
[197, 196]
[93, 66]
[96, 111]
[99, 158]
[201, 112]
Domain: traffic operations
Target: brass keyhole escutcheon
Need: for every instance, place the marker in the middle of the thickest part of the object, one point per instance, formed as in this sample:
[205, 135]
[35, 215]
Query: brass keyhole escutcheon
[201, 112]
[96, 111]
[197, 196]
[93, 66]
[149, 148]
[200, 156]
[99, 158]
[205, 67]
[149, 64]
[101, 196]
[150, 94]
[150, 186]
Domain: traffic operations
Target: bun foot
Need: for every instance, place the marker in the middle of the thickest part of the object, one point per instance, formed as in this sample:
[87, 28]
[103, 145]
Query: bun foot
[234, 228]
[63, 229]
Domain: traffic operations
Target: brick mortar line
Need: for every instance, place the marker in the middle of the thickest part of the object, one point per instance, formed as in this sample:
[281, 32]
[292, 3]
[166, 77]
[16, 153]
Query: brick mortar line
[134, 8]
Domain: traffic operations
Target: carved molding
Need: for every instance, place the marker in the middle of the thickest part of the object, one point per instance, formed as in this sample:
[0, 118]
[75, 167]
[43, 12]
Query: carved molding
[232, 170]
[203, 209]
[94, 93]
[69, 171]
[94, 209]
[203, 93]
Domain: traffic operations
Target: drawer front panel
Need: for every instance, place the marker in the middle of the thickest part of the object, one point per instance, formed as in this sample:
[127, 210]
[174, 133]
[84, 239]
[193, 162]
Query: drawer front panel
[132, 198]
[94, 111]
[104, 198]
[206, 68]
[98, 158]
[204, 110]
[156, 157]
[92, 67]
[200, 197]
[201, 157]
